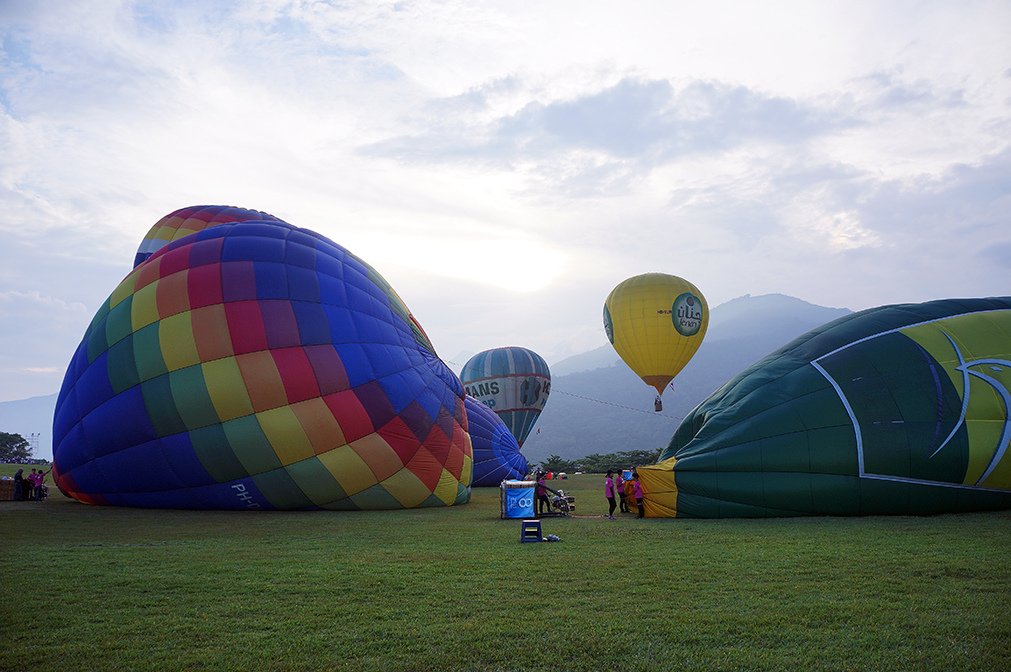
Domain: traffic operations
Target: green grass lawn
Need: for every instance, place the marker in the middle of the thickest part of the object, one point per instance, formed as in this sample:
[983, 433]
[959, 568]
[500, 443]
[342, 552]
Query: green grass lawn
[453, 589]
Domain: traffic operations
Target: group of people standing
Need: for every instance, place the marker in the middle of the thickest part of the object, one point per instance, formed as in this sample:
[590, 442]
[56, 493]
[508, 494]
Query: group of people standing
[31, 487]
[615, 492]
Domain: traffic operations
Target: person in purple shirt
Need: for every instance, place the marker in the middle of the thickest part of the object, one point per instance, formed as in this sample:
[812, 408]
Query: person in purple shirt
[609, 493]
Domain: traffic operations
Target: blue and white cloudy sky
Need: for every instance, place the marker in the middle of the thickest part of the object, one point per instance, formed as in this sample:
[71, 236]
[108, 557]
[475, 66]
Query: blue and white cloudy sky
[505, 164]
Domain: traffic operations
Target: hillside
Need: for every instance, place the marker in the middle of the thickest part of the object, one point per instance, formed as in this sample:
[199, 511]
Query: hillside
[598, 405]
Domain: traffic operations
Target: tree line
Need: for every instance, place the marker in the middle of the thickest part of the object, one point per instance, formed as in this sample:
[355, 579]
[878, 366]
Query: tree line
[600, 463]
[15, 449]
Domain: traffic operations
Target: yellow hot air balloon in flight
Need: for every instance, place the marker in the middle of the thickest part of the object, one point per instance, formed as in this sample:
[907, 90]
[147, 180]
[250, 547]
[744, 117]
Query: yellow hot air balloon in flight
[656, 322]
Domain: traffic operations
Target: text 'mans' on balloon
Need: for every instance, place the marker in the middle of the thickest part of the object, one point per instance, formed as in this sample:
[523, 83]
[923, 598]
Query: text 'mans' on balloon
[514, 382]
[497, 454]
[900, 409]
[656, 323]
[185, 221]
[259, 366]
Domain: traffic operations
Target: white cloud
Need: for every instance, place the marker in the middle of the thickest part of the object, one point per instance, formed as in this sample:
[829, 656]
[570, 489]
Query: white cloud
[814, 222]
[506, 164]
[37, 301]
[40, 334]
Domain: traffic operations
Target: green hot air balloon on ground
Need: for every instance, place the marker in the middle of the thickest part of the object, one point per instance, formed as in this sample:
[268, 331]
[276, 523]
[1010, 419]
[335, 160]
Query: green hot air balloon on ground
[902, 409]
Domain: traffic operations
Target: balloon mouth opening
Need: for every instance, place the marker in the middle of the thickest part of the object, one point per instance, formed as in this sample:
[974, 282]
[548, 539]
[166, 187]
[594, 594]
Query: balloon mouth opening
[659, 383]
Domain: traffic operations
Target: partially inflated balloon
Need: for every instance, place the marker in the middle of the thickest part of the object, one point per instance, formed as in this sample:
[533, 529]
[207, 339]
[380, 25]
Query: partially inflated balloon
[497, 454]
[656, 322]
[185, 221]
[261, 366]
[514, 382]
[895, 410]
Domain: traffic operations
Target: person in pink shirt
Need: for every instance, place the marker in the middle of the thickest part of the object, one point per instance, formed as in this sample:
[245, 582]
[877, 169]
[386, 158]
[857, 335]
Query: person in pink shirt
[619, 486]
[40, 480]
[543, 503]
[609, 493]
[637, 490]
[32, 479]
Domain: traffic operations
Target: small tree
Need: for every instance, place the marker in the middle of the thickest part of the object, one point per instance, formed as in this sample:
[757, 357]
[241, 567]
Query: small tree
[556, 463]
[14, 448]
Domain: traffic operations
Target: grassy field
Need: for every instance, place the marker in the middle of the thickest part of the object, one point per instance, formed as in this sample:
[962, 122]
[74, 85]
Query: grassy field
[453, 589]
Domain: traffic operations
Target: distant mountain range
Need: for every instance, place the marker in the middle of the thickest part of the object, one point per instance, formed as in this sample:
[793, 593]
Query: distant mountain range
[31, 416]
[597, 405]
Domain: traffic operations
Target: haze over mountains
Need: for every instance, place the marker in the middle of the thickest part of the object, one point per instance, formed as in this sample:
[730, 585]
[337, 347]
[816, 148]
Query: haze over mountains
[597, 404]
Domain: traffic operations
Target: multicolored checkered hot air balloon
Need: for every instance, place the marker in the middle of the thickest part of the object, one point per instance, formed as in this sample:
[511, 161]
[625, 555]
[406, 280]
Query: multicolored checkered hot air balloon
[497, 455]
[258, 365]
[514, 382]
[185, 221]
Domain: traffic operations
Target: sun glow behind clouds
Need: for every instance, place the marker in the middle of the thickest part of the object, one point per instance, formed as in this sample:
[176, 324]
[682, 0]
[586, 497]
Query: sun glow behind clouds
[812, 218]
[510, 260]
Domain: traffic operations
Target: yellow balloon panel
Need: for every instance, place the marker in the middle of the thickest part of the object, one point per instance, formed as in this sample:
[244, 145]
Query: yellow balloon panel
[656, 322]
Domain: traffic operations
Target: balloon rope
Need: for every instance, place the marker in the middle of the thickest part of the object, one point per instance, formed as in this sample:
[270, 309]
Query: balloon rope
[555, 390]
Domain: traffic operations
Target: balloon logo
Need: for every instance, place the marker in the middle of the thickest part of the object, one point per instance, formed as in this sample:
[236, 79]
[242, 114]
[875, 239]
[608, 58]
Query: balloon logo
[656, 323]
[686, 314]
[530, 392]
